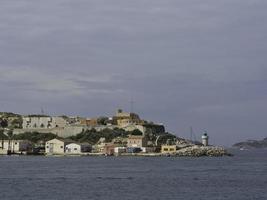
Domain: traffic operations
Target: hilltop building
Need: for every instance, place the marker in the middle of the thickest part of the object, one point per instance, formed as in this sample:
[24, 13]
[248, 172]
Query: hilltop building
[43, 122]
[132, 121]
[123, 119]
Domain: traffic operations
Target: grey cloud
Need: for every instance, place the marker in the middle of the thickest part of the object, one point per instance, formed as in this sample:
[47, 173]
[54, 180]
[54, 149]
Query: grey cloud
[185, 63]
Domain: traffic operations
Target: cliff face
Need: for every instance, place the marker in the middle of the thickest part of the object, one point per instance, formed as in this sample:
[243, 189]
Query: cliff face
[252, 144]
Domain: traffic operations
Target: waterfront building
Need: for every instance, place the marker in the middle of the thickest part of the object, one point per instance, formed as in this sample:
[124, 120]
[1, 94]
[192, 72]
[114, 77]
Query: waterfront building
[77, 148]
[119, 150]
[168, 149]
[136, 141]
[56, 146]
[109, 149]
[148, 149]
[15, 146]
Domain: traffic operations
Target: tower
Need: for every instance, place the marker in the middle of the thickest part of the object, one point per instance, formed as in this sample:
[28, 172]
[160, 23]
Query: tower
[205, 139]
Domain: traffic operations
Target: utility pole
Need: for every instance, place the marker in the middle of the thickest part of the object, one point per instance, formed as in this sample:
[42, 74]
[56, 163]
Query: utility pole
[42, 111]
[132, 105]
[191, 133]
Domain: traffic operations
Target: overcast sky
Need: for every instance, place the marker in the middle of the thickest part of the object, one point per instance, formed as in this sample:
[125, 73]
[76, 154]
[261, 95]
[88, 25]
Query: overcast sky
[183, 62]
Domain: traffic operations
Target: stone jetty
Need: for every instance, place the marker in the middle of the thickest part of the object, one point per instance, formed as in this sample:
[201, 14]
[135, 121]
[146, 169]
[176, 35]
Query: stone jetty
[198, 151]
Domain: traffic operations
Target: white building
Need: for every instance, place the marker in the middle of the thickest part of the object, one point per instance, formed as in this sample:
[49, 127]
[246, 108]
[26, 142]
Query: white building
[16, 146]
[43, 122]
[77, 148]
[119, 150]
[56, 146]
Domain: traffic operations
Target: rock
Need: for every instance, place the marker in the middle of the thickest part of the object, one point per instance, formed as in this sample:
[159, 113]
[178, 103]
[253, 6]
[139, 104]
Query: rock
[197, 151]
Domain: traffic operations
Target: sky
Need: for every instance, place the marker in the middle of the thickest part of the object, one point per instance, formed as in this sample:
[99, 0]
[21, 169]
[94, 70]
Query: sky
[182, 63]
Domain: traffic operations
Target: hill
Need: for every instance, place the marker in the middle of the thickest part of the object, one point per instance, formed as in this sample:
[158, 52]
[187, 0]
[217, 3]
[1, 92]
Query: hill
[252, 144]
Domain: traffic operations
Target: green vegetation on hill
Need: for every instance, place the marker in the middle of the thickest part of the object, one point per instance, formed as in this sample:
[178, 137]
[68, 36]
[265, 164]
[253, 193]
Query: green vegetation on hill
[35, 137]
[38, 115]
[10, 120]
[2, 135]
[92, 136]
[8, 114]
[136, 132]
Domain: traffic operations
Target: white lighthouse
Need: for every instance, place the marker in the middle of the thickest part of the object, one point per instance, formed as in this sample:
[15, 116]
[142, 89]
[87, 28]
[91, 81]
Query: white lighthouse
[205, 139]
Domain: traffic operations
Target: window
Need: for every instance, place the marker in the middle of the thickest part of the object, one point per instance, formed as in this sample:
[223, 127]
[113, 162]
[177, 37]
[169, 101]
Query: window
[16, 143]
[61, 147]
[75, 149]
[171, 149]
[165, 149]
[47, 146]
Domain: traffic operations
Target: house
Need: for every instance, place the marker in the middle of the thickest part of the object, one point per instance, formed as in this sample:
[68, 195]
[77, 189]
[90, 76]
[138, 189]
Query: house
[119, 150]
[136, 141]
[77, 148]
[148, 149]
[168, 149]
[56, 146]
[109, 149]
[15, 146]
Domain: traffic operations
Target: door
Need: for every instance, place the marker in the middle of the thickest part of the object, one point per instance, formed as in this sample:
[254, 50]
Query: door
[51, 148]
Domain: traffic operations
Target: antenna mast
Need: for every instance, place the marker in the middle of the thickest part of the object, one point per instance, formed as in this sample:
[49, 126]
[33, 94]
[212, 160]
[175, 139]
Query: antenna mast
[132, 105]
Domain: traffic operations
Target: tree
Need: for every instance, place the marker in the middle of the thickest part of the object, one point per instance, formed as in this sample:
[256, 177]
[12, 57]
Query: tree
[3, 123]
[17, 123]
[35, 137]
[136, 132]
[102, 120]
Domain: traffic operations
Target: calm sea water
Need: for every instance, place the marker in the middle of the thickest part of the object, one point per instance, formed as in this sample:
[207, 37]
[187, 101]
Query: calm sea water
[243, 176]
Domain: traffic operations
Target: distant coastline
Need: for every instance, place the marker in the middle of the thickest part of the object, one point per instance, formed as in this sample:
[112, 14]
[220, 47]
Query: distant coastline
[252, 144]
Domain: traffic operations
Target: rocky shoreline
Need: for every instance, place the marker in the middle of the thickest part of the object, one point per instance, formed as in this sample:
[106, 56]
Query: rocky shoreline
[198, 151]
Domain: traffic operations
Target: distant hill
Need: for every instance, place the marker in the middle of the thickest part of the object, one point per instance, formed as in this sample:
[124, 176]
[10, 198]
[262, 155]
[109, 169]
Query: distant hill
[252, 144]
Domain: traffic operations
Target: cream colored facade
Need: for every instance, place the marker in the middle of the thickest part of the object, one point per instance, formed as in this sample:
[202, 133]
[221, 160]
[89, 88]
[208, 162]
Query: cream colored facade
[43, 122]
[168, 149]
[123, 118]
[56, 146]
[136, 141]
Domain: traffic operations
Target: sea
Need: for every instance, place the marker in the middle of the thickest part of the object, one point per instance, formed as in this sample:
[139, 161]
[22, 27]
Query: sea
[243, 176]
